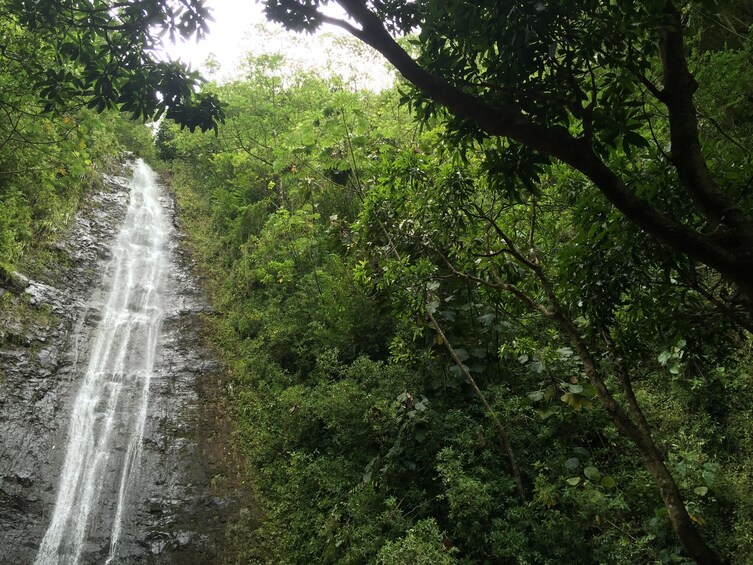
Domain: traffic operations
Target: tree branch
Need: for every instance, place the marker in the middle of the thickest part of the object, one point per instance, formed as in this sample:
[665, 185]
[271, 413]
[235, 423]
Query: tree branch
[679, 87]
[578, 153]
[501, 432]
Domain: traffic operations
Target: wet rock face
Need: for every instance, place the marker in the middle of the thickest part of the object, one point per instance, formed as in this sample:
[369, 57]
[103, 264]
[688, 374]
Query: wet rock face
[47, 321]
[40, 335]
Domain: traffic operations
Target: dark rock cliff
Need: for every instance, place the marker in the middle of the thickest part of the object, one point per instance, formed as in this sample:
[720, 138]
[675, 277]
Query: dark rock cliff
[179, 506]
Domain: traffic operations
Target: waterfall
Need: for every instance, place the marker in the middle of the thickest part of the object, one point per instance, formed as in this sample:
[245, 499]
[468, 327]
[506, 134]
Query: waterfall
[107, 421]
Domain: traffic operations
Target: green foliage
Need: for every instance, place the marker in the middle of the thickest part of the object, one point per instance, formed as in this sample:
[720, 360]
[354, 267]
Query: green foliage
[105, 54]
[48, 159]
[338, 238]
[433, 329]
[421, 545]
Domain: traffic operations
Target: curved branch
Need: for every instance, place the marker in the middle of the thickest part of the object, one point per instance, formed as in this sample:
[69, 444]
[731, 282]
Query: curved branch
[720, 251]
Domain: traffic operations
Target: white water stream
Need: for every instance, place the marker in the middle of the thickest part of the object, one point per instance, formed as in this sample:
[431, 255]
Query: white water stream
[109, 414]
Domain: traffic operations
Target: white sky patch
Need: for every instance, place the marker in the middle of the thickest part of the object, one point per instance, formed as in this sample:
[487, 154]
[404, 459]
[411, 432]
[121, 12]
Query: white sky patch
[240, 28]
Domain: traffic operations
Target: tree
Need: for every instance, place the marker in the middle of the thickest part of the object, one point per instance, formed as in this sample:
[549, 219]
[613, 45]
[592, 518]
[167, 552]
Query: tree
[577, 82]
[605, 88]
[48, 158]
[504, 314]
[526, 252]
[105, 55]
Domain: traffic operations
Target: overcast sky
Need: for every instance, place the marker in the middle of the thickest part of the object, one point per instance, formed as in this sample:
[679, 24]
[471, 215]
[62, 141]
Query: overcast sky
[229, 35]
[235, 32]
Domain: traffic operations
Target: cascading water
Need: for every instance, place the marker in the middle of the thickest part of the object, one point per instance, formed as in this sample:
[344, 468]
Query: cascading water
[107, 421]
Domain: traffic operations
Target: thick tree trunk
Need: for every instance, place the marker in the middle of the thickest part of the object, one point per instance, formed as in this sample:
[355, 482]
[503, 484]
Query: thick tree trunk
[687, 533]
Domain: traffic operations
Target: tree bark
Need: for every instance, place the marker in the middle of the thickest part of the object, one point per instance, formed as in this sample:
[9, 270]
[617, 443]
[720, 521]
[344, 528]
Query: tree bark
[686, 155]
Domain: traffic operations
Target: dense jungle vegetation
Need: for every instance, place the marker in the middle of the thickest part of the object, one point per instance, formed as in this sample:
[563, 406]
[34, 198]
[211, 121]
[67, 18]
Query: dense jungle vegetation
[447, 348]
[50, 156]
[68, 72]
[499, 313]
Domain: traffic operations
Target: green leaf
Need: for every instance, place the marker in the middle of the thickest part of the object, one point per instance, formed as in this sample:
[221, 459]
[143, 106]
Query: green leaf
[576, 401]
[709, 478]
[592, 473]
[564, 353]
[487, 319]
[701, 491]
[572, 463]
[549, 392]
[607, 482]
[536, 395]
[573, 481]
[479, 353]
[674, 366]
[634, 138]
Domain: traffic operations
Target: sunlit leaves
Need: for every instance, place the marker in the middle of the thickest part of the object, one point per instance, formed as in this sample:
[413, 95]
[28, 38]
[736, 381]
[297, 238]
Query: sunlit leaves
[106, 56]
